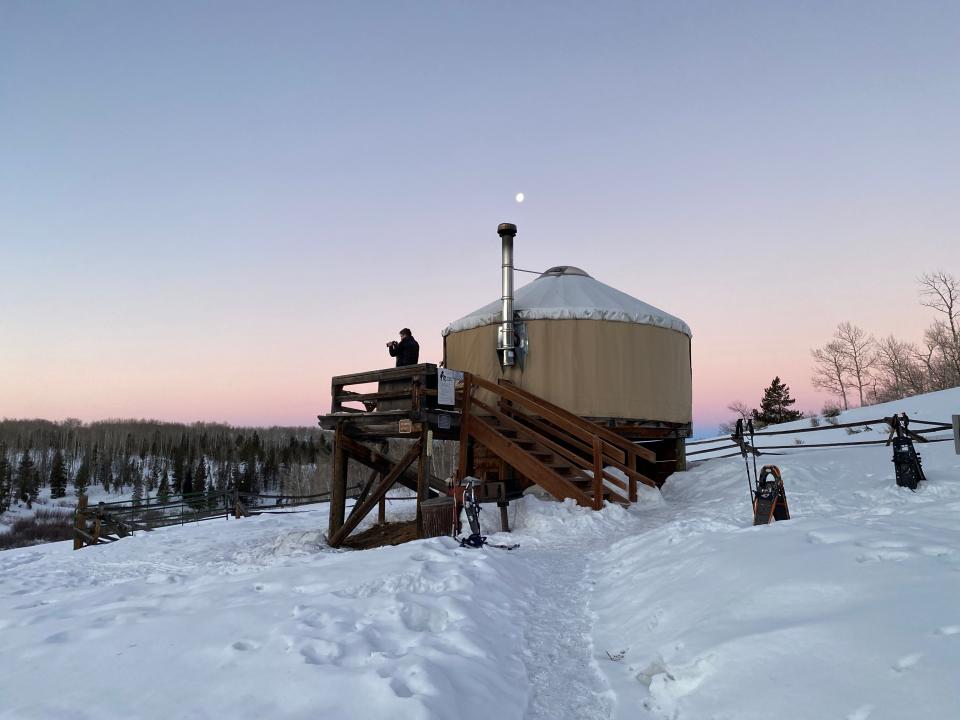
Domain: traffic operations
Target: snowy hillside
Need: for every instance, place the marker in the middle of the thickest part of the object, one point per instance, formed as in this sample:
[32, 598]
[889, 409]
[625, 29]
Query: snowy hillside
[676, 608]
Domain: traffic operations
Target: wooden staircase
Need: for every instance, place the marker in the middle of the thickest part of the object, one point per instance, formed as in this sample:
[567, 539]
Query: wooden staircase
[566, 455]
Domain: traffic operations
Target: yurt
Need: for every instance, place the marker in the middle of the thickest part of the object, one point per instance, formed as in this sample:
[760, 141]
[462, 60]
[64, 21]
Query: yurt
[581, 344]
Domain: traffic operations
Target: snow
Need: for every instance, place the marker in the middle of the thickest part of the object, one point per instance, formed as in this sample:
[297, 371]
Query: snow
[676, 608]
[571, 297]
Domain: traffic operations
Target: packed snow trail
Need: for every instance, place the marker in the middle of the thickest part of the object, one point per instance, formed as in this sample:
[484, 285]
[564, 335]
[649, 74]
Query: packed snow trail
[564, 680]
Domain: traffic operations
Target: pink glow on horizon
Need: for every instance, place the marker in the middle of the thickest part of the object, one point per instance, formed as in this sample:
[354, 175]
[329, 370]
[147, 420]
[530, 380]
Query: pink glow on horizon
[286, 382]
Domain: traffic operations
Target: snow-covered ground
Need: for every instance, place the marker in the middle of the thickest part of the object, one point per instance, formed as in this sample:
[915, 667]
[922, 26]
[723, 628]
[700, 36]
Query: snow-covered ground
[675, 608]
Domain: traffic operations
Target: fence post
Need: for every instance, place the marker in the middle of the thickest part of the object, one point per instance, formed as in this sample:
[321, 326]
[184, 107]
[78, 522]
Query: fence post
[956, 433]
[422, 474]
[96, 522]
[79, 522]
[338, 483]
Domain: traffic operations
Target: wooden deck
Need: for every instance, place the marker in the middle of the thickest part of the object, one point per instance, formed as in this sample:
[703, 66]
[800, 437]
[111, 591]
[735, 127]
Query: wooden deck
[510, 443]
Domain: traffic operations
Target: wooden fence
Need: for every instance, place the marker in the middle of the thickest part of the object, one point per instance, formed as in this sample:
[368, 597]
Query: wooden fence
[107, 522]
[737, 443]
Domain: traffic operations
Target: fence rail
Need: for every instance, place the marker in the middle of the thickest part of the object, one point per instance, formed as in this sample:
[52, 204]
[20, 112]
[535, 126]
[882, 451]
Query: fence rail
[109, 521]
[739, 443]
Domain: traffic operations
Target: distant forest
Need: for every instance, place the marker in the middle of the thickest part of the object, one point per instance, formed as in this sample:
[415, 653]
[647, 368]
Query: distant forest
[146, 458]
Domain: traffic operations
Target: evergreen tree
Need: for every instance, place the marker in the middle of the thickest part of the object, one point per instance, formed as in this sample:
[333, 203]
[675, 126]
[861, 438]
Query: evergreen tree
[33, 492]
[177, 472]
[137, 485]
[187, 487]
[128, 471]
[82, 479]
[106, 471]
[58, 476]
[6, 473]
[26, 477]
[200, 483]
[163, 489]
[200, 478]
[775, 405]
[248, 483]
[154, 480]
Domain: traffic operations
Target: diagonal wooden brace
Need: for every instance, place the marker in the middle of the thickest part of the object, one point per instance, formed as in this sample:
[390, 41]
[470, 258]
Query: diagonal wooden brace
[336, 540]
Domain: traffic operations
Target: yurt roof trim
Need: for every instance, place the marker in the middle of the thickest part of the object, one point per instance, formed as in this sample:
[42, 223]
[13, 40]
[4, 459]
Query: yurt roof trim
[571, 296]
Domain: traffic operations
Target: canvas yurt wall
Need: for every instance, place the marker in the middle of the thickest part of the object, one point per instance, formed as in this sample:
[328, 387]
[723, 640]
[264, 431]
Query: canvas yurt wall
[592, 349]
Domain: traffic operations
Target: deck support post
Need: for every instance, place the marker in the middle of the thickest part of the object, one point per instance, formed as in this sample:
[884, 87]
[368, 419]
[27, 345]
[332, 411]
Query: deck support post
[423, 468]
[462, 459]
[336, 539]
[338, 483]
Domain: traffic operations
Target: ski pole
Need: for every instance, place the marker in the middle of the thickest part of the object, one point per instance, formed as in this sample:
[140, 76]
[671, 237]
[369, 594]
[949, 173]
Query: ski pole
[743, 451]
[753, 446]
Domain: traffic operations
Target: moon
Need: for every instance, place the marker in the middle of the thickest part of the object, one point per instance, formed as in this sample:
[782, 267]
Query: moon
[519, 197]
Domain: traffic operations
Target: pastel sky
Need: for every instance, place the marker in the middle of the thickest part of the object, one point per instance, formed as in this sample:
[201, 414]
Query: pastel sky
[209, 208]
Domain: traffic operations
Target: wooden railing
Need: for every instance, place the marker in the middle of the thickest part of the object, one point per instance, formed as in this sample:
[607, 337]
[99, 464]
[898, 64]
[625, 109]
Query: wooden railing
[633, 455]
[412, 386]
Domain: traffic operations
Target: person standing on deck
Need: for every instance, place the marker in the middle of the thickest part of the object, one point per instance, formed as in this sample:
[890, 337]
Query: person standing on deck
[407, 351]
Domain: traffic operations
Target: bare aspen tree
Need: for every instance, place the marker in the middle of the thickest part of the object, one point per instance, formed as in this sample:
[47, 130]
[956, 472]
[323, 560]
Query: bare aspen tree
[858, 349]
[939, 357]
[941, 291]
[830, 370]
[899, 373]
[743, 413]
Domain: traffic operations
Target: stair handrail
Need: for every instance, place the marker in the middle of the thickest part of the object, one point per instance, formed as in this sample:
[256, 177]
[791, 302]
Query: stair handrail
[590, 427]
[544, 426]
[570, 456]
[586, 432]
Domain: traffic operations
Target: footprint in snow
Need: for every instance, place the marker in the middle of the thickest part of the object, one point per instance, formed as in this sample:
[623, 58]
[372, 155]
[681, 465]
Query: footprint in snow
[883, 544]
[883, 555]
[936, 551]
[320, 652]
[400, 688]
[245, 645]
[907, 662]
[861, 713]
[817, 537]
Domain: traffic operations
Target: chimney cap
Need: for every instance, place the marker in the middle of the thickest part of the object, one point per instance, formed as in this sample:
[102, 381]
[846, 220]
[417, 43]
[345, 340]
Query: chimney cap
[506, 229]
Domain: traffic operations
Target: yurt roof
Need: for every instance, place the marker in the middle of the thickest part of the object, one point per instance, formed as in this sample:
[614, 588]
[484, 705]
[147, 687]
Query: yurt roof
[568, 293]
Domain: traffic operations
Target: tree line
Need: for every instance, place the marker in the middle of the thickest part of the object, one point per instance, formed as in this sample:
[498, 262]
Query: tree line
[146, 458]
[856, 367]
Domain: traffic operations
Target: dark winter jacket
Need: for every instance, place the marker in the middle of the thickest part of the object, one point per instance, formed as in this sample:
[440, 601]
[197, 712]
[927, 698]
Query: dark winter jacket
[407, 351]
